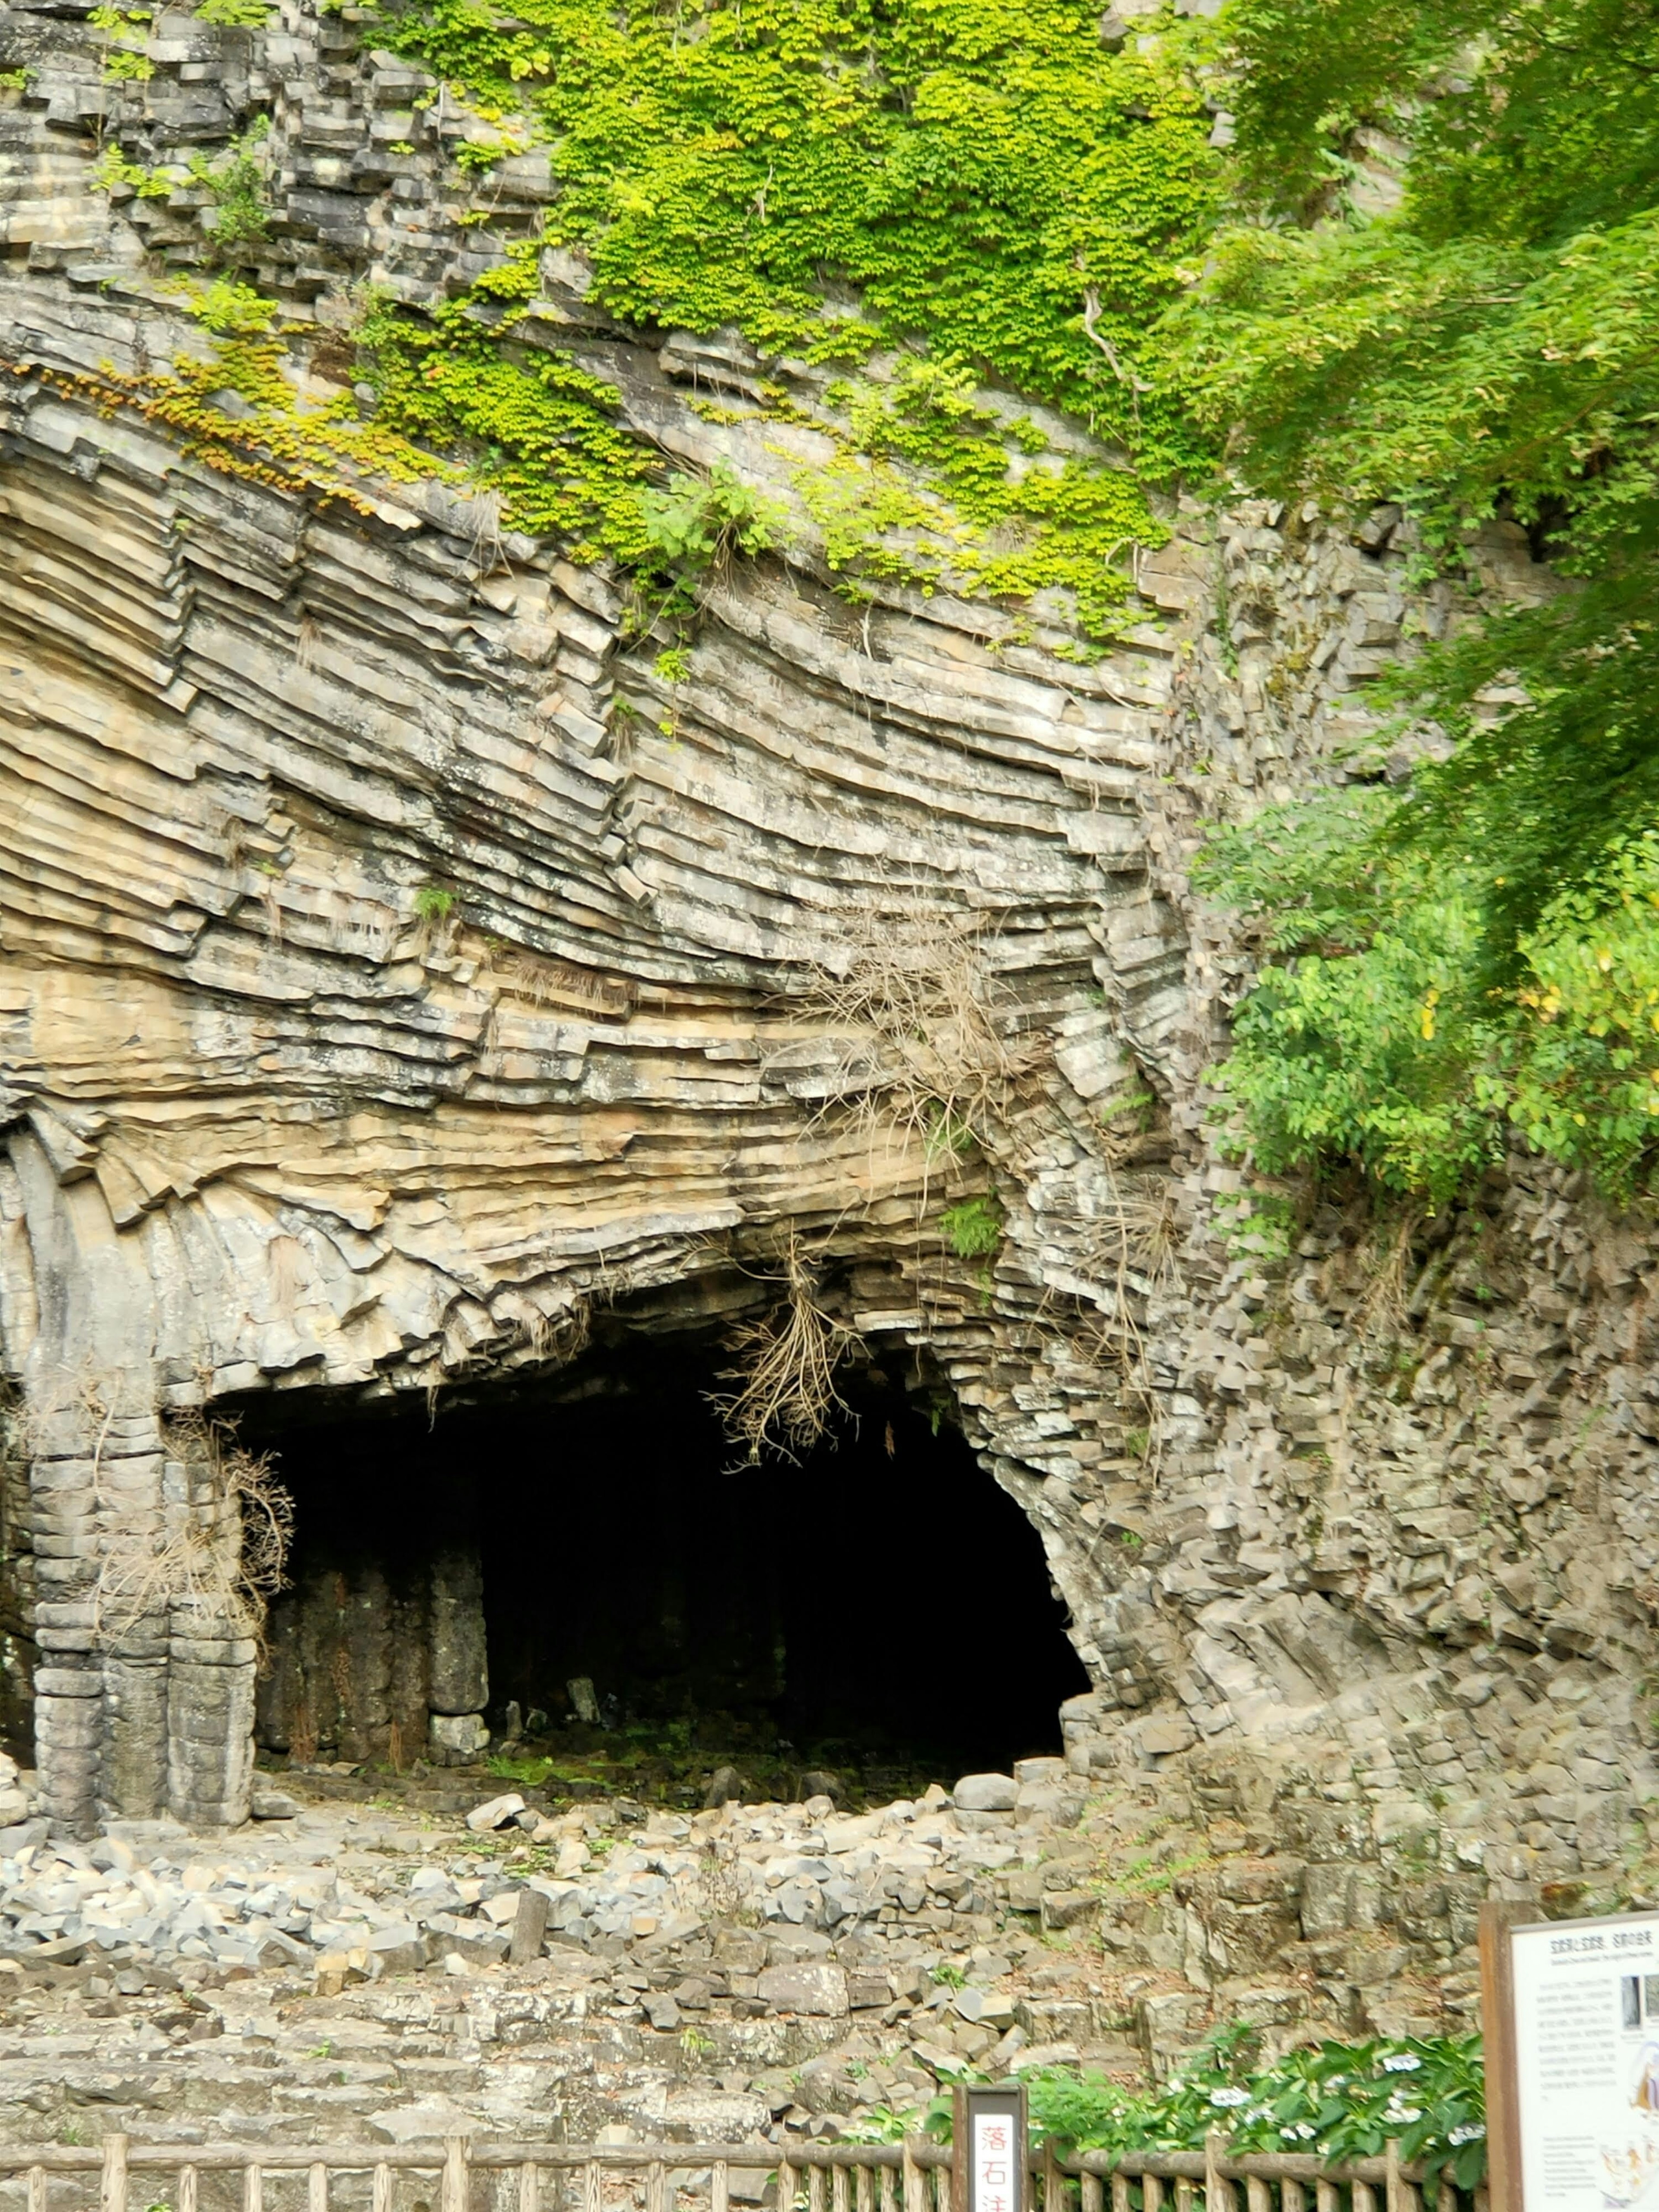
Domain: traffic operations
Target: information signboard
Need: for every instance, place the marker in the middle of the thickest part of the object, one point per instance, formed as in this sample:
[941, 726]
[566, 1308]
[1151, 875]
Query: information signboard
[1582, 2064]
[990, 2130]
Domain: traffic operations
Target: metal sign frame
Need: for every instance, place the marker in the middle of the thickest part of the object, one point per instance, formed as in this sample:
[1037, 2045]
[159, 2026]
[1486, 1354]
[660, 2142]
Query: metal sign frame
[989, 2170]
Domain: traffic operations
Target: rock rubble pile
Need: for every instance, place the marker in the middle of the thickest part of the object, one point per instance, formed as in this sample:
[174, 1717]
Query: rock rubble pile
[146, 1893]
[745, 1971]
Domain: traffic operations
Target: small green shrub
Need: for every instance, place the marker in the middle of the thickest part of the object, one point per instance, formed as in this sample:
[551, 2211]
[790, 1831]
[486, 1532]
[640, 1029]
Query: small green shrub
[1382, 1037]
[127, 33]
[974, 1227]
[433, 904]
[700, 521]
[1336, 2100]
[232, 310]
[235, 15]
[474, 158]
[236, 179]
[1333, 2100]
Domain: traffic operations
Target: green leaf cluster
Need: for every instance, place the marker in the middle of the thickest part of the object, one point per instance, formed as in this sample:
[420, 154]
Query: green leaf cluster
[1382, 1040]
[937, 198]
[699, 521]
[1484, 349]
[973, 170]
[1336, 2101]
[1333, 2100]
[974, 1227]
[536, 427]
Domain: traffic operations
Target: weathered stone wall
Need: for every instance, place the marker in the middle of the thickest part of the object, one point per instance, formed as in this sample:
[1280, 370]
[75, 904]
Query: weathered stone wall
[1356, 1546]
[1393, 1542]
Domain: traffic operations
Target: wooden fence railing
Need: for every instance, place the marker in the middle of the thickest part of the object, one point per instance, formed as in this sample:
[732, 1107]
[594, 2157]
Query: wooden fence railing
[914, 2176]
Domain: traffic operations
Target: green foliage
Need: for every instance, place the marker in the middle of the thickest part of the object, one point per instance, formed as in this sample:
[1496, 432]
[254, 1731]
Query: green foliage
[975, 171]
[699, 521]
[126, 33]
[235, 15]
[1338, 2101]
[14, 79]
[233, 310]
[236, 180]
[433, 904]
[936, 198]
[476, 157]
[520, 1767]
[1489, 348]
[1335, 2102]
[1382, 1039]
[111, 171]
[538, 428]
[974, 1227]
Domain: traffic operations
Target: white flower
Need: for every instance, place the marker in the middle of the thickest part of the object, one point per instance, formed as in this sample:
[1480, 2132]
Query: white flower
[1470, 2131]
[1396, 2110]
[1403, 2062]
[1226, 2097]
[1300, 2133]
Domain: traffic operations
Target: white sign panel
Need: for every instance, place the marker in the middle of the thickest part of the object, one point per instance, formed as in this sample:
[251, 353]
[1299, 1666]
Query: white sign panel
[995, 2176]
[1587, 2050]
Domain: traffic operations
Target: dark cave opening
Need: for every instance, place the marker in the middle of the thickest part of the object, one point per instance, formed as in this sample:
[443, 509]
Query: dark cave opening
[781, 1617]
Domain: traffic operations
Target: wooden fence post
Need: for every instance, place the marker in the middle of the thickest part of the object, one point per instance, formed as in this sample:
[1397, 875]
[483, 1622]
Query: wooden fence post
[915, 2189]
[1502, 2071]
[454, 2180]
[113, 2192]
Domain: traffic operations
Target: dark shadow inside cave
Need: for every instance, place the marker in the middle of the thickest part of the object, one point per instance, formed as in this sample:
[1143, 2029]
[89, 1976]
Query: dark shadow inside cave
[883, 1609]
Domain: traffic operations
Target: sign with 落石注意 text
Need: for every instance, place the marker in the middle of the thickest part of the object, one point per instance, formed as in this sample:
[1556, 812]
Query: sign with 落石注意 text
[992, 2132]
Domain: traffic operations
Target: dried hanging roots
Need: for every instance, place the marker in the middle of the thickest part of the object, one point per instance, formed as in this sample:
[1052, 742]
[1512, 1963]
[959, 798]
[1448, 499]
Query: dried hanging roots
[221, 1555]
[784, 1396]
[927, 1047]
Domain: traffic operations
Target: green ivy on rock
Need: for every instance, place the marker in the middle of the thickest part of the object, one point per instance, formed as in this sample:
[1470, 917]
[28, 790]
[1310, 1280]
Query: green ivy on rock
[934, 198]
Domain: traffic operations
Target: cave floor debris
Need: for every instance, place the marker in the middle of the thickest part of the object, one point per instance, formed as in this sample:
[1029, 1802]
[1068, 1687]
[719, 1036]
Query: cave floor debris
[348, 1967]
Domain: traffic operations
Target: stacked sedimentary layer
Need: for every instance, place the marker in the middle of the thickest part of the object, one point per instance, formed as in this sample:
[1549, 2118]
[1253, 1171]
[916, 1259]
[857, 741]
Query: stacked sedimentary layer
[401, 967]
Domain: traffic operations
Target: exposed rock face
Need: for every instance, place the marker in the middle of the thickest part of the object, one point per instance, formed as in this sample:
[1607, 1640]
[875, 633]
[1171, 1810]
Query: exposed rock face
[276, 1121]
[399, 968]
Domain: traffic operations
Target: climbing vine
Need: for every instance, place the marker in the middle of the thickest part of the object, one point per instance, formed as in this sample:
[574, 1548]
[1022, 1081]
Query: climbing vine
[934, 206]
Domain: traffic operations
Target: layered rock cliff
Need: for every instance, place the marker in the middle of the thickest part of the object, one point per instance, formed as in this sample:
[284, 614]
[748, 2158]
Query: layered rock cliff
[407, 971]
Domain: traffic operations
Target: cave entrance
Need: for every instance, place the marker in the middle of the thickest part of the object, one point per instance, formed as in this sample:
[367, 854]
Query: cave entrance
[593, 1535]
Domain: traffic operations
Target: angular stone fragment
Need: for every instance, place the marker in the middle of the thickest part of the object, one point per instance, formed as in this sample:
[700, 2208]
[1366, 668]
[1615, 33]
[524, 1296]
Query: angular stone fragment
[495, 1813]
[806, 1988]
[529, 1927]
[986, 1793]
[272, 1805]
